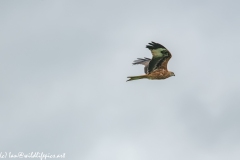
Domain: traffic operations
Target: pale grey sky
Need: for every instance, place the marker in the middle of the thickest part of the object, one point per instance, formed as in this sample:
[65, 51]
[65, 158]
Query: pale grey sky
[63, 89]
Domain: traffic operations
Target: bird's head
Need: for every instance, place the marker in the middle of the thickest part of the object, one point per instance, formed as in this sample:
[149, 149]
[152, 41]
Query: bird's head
[171, 74]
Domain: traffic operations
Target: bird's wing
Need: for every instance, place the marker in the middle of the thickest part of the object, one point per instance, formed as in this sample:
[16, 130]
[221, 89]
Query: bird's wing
[144, 61]
[160, 57]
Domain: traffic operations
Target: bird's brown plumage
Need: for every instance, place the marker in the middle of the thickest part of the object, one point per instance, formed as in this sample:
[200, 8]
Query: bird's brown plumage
[156, 68]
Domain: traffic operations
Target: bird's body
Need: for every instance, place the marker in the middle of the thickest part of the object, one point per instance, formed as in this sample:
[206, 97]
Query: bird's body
[155, 68]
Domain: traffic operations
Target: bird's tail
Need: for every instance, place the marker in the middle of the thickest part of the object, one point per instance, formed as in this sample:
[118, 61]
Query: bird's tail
[136, 77]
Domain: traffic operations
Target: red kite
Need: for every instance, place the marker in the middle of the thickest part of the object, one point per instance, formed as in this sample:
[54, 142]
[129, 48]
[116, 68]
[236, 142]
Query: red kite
[155, 68]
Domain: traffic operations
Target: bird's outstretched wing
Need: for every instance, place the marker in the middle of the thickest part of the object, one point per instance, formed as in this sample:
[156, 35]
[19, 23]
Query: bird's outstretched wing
[144, 61]
[160, 57]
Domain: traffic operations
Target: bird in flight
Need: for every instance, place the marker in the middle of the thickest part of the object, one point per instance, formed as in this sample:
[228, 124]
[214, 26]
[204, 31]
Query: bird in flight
[155, 68]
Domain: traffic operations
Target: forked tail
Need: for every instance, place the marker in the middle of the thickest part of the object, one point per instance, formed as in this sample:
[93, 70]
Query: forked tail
[136, 77]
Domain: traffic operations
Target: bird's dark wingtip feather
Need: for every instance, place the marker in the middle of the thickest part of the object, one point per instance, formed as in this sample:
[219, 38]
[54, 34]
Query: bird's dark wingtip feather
[154, 45]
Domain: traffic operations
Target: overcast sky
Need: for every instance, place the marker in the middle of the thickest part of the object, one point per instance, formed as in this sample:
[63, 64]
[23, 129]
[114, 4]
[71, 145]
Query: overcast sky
[63, 89]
